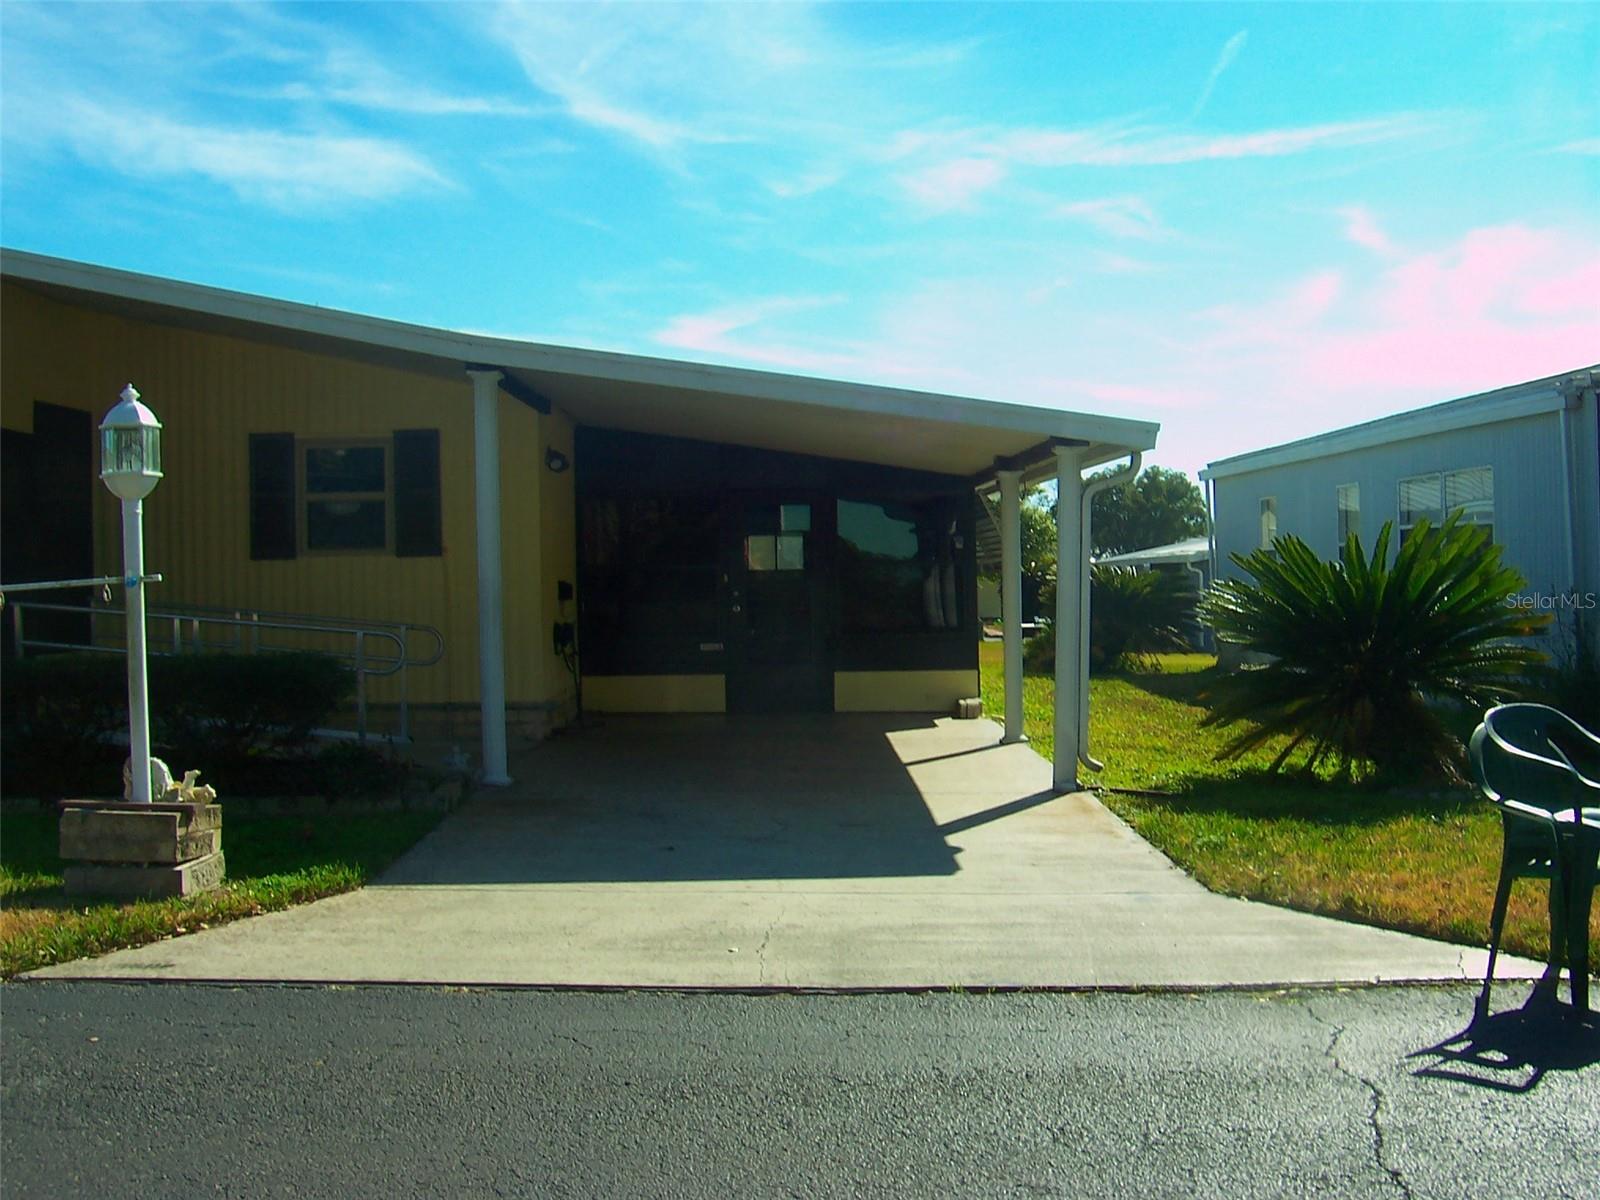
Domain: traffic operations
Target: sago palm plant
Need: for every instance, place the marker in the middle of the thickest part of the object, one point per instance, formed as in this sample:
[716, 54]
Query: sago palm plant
[1134, 614]
[1362, 651]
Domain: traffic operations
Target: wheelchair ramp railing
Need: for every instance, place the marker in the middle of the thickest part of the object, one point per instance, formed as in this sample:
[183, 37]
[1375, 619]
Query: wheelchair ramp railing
[373, 649]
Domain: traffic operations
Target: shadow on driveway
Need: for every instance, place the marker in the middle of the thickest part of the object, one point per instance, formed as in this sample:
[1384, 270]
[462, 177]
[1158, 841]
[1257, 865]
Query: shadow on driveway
[658, 799]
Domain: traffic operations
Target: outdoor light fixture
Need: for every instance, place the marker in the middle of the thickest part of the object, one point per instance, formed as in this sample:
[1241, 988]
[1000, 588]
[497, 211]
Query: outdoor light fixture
[130, 448]
[130, 467]
[555, 460]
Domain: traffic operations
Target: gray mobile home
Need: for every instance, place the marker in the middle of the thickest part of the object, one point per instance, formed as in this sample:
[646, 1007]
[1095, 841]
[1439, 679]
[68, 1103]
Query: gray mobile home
[1524, 461]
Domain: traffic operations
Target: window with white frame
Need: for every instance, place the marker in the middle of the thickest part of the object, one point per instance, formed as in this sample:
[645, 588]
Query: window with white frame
[1433, 497]
[1269, 521]
[1348, 497]
[345, 490]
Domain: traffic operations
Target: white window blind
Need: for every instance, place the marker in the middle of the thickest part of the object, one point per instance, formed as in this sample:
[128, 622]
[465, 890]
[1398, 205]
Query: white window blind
[1349, 500]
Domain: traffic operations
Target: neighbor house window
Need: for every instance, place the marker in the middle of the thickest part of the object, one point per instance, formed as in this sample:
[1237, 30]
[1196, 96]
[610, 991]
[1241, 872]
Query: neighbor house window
[1435, 496]
[899, 566]
[1269, 521]
[1349, 500]
[1472, 493]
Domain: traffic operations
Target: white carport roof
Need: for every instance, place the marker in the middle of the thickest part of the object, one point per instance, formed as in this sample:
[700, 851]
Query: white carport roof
[953, 434]
[1195, 549]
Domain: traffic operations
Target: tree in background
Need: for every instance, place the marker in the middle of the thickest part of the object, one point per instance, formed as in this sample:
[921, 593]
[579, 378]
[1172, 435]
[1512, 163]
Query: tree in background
[1161, 506]
[1038, 537]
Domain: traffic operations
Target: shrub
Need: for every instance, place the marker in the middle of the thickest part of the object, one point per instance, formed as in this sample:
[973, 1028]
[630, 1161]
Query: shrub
[61, 714]
[1571, 682]
[1132, 614]
[228, 706]
[1362, 652]
[346, 769]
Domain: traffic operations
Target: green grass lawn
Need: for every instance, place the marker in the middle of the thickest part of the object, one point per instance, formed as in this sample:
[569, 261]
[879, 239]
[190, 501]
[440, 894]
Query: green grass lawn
[1422, 862]
[273, 863]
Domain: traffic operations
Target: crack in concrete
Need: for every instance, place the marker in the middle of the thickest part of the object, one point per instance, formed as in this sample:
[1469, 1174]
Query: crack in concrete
[761, 950]
[1330, 1052]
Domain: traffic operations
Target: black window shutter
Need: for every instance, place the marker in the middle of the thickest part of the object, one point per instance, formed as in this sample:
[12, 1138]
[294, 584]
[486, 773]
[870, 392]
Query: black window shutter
[418, 529]
[272, 517]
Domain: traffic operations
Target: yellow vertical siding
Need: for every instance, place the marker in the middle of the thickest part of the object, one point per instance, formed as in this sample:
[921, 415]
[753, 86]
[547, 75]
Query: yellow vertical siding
[211, 392]
[520, 553]
[558, 512]
[902, 691]
[655, 693]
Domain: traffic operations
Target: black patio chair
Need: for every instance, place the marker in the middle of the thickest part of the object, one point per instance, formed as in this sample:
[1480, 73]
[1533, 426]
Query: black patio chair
[1542, 770]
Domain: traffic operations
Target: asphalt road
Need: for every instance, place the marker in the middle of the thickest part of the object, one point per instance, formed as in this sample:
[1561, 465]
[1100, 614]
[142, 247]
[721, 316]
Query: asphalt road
[116, 1090]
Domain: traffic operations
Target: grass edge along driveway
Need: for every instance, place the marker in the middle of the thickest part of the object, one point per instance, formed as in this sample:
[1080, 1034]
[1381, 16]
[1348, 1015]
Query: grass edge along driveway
[273, 863]
[1420, 861]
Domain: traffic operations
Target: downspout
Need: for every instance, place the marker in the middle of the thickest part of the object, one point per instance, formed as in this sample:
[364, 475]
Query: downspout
[1208, 638]
[1199, 578]
[1211, 521]
[1570, 401]
[1086, 511]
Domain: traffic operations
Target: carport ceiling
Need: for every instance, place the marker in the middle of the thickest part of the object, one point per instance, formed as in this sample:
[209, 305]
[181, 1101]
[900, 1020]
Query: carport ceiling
[893, 426]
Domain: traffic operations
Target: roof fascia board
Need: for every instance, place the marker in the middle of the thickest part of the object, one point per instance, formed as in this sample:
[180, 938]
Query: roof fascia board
[1524, 400]
[440, 344]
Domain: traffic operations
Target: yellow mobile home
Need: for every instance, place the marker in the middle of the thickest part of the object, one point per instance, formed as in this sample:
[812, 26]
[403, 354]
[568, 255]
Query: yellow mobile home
[631, 533]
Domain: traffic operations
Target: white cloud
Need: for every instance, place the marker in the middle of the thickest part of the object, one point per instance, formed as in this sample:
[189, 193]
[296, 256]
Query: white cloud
[664, 75]
[805, 185]
[1230, 51]
[954, 184]
[721, 333]
[1581, 146]
[1122, 264]
[287, 170]
[1120, 216]
[1133, 397]
[1362, 228]
[948, 168]
[350, 76]
[1147, 147]
[676, 78]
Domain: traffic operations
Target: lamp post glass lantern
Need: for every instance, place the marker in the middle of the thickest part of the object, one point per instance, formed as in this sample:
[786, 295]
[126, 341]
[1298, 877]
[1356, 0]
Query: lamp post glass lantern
[130, 467]
[130, 448]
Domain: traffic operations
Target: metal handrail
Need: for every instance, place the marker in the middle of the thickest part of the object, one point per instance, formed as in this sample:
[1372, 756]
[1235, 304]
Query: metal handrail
[56, 585]
[393, 636]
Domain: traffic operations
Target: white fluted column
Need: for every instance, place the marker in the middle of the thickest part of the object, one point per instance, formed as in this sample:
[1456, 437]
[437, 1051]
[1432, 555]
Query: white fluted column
[138, 685]
[1011, 597]
[491, 628]
[1070, 568]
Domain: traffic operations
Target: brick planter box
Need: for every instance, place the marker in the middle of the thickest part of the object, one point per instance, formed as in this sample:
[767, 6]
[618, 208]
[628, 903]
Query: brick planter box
[111, 848]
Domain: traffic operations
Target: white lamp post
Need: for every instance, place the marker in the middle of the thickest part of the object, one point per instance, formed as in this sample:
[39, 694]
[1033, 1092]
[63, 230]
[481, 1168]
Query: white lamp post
[130, 466]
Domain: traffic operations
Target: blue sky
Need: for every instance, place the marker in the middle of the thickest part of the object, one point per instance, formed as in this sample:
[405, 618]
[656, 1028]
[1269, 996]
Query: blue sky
[1250, 223]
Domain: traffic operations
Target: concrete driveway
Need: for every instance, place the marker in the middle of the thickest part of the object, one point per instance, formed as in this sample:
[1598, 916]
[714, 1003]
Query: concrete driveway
[828, 851]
